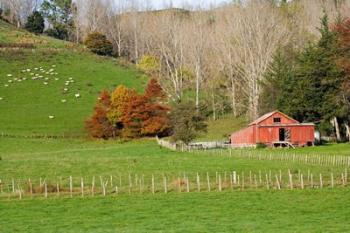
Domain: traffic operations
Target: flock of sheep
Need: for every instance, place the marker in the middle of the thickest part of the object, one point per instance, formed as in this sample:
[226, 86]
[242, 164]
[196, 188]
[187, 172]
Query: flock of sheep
[40, 74]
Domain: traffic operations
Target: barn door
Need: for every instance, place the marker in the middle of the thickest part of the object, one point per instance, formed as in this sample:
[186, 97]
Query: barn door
[282, 134]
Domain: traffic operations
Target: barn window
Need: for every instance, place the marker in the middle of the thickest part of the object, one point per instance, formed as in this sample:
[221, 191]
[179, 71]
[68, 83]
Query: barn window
[277, 120]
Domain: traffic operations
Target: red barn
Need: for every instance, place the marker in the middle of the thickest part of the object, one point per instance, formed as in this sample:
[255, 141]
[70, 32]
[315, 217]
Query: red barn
[275, 129]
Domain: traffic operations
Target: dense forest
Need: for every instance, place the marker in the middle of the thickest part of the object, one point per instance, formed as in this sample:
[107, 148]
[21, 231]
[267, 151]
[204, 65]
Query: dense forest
[245, 57]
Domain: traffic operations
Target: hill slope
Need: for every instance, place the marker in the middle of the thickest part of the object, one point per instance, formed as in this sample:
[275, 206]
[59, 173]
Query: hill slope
[28, 95]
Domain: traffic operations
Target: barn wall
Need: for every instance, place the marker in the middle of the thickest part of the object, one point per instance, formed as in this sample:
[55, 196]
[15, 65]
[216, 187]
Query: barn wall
[284, 120]
[244, 137]
[302, 134]
[268, 134]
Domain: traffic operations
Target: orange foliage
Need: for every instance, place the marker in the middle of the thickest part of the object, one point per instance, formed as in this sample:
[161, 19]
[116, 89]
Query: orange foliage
[98, 125]
[130, 115]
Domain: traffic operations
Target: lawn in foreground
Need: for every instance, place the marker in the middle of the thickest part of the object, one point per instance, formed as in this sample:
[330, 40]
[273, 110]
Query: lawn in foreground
[264, 211]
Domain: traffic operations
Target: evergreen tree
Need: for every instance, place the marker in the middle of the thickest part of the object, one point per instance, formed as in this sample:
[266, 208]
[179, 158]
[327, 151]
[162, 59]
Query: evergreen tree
[35, 23]
[276, 84]
[310, 93]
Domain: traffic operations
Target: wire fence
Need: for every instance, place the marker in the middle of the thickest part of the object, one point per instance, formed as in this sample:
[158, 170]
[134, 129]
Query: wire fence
[129, 184]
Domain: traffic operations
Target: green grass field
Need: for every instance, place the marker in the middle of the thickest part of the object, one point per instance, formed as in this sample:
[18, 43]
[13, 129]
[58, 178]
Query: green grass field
[283, 211]
[26, 105]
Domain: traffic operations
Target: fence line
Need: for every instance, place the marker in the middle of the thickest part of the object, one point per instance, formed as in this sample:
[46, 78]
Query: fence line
[315, 159]
[42, 136]
[71, 187]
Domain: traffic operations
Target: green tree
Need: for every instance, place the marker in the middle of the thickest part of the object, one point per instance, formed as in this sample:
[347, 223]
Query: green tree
[35, 23]
[308, 91]
[277, 84]
[187, 121]
[99, 44]
[59, 15]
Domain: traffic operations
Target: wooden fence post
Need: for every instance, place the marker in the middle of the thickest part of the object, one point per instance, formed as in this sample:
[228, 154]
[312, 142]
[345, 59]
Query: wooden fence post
[208, 180]
[93, 186]
[165, 185]
[187, 185]
[152, 184]
[242, 180]
[198, 183]
[278, 183]
[58, 188]
[267, 181]
[82, 186]
[13, 185]
[220, 182]
[19, 192]
[311, 180]
[301, 181]
[130, 183]
[71, 186]
[45, 185]
[332, 180]
[30, 187]
[255, 182]
[291, 181]
[321, 181]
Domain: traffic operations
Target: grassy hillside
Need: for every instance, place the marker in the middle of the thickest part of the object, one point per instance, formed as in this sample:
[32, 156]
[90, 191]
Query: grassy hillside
[26, 104]
[221, 129]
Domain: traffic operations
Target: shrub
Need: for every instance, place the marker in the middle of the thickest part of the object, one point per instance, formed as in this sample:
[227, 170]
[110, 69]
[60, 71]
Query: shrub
[35, 23]
[149, 64]
[59, 31]
[260, 146]
[99, 44]
[187, 122]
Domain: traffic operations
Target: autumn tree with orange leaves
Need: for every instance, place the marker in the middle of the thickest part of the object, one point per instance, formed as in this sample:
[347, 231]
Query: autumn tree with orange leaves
[127, 114]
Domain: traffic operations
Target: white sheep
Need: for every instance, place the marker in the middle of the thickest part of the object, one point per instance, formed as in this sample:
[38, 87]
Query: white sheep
[65, 89]
[77, 95]
[28, 70]
[53, 65]
[63, 101]
[51, 117]
[6, 85]
[1, 98]
[9, 75]
[45, 83]
[56, 79]
[10, 81]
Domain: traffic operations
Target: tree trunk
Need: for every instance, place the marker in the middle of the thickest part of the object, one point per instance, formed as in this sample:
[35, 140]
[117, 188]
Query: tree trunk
[336, 127]
[213, 103]
[347, 127]
[233, 94]
[198, 78]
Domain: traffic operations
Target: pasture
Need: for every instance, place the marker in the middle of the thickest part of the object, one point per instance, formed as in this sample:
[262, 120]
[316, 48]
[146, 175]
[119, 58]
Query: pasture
[42, 82]
[49, 90]
[251, 210]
